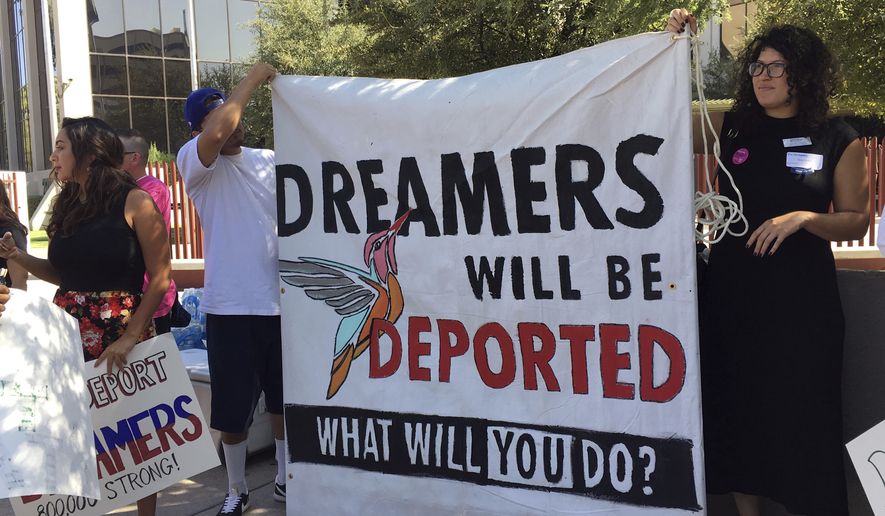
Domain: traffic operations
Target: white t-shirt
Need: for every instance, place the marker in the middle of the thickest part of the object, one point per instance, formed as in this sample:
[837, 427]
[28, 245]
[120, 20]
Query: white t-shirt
[236, 200]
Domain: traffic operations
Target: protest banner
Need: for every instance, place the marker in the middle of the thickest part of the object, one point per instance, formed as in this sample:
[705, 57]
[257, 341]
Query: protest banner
[867, 452]
[46, 435]
[488, 288]
[149, 432]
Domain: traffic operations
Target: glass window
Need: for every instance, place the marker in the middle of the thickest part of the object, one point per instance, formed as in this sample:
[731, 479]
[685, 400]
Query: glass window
[149, 117]
[4, 153]
[25, 130]
[105, 26]
[178, 78]
[210, 18]
[113, 110]
[176, 41]
[146, 77]
[20, 72]
[16, 15]
[242, 41]
[179, 131]
[143, 36]
[108, 75]
[21, 69]
[215, 75]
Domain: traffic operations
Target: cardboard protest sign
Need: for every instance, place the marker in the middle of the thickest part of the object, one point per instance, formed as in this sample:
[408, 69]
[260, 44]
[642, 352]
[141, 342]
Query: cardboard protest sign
[867, 453]
[149, 432]
[489, 288]
[46, 435]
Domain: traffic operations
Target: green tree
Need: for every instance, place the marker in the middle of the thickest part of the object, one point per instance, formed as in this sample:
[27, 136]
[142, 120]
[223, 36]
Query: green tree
[855, 32]
[155, 155]
[301, 37]
[428, 39]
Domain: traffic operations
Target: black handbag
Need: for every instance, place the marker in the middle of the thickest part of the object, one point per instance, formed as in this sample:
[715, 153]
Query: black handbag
[178, 316]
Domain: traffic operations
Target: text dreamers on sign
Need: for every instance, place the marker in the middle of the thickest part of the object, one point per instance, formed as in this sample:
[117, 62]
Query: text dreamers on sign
[482, 196]
[625, 468]
[482, 190]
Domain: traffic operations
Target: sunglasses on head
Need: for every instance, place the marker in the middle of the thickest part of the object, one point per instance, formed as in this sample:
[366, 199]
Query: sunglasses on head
[212, 102]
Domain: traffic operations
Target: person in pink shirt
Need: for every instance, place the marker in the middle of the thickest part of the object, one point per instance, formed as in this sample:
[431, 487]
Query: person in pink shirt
[135, 154]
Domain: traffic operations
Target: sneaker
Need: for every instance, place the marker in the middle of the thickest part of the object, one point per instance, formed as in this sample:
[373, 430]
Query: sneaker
[279, 492]
[235, 504]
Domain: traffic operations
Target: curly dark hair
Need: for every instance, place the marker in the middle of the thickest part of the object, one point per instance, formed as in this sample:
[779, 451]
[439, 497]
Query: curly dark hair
[93, 139]
[8, 216]
[812, 73]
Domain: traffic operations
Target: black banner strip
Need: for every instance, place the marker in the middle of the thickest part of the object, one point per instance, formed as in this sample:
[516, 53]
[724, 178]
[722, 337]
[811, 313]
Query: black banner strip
[623, 468]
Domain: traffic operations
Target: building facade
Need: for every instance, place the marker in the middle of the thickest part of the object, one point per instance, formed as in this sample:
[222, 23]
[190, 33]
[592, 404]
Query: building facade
[130, 62]
[133, 62]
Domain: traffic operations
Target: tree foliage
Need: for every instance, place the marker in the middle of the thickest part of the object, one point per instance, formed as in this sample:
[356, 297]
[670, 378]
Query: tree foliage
[428, 39]
[855, 32]
[155, 155]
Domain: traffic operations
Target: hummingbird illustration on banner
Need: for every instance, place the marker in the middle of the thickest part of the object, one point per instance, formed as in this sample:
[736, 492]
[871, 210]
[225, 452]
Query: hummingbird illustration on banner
[358, 296]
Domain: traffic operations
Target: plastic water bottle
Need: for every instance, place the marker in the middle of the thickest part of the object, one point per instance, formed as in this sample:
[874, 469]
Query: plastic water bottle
[189, 337]
[193, 335]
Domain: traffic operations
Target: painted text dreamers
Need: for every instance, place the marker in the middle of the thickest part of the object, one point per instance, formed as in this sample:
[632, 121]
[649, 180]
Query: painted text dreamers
[480, 194]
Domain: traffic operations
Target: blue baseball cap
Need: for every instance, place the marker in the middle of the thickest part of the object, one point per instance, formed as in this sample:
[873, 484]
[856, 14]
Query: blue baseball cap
[199, 103]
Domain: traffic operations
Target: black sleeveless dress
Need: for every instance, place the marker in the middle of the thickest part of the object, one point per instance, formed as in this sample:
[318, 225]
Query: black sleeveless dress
[102, 269]
[772, 327]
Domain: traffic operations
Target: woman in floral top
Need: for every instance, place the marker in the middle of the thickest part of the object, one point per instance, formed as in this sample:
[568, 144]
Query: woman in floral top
[104, 233]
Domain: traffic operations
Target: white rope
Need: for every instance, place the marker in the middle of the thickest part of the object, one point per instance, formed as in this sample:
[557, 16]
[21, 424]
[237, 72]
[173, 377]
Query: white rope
[714, 213]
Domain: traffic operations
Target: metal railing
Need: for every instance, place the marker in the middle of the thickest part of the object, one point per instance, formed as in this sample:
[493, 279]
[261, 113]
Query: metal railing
[186, 232]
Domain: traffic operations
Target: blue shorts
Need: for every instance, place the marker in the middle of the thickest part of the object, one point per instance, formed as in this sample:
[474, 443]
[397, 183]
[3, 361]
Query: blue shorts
[245, 358]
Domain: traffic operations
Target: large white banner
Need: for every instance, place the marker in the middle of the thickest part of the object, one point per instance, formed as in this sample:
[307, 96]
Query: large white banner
[489, 288]
[149, 432]
[45, 430]
[867, 452]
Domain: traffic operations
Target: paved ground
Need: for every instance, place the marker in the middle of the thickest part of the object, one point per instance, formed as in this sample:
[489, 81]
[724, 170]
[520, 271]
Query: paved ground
[202, 495]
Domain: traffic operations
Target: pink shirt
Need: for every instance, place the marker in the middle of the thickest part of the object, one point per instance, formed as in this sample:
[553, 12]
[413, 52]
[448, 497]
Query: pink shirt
[160, 193]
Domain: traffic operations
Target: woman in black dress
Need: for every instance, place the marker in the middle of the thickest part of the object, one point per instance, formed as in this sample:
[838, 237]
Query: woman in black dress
[771, 319]
[104, 232]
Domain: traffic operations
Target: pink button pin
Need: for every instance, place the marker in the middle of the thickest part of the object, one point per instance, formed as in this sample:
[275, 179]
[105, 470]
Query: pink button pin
[740, 156]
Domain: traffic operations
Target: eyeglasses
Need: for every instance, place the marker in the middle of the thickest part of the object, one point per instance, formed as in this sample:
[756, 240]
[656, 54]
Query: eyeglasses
[775, 69]
[212, 101]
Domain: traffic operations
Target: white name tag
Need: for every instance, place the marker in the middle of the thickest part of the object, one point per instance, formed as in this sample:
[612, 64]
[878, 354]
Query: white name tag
[797, 142]
[805, 160]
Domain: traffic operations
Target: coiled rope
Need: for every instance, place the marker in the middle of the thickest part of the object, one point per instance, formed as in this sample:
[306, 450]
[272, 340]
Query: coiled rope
[714, 213]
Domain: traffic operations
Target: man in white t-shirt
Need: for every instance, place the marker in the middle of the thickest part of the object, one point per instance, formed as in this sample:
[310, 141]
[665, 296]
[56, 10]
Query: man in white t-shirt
[234, 190]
